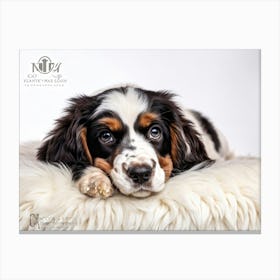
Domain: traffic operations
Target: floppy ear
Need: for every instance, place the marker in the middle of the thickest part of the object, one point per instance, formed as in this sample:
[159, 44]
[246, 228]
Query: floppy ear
[67, 141]
[187, 150]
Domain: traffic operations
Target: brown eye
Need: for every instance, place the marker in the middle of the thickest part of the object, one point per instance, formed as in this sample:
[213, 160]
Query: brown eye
[106, 137]
[154, 133]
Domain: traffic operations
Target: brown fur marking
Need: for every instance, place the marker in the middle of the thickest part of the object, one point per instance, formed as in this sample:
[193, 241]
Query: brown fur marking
[83, 135]
[167, 165]
[103, 165]
[174, 142]
[113, 123]
[147, 118]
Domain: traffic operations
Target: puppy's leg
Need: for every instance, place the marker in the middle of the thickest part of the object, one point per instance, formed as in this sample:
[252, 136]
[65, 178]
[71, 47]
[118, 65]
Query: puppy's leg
[95, 183]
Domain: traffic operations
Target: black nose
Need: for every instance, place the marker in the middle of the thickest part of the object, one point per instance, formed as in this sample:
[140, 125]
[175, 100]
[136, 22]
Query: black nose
[140, 173]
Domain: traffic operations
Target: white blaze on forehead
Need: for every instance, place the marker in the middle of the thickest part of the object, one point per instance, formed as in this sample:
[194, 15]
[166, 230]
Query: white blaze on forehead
[128, 106]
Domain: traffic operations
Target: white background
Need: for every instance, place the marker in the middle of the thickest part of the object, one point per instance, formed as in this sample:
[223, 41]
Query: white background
[222, 84]
[85, 24]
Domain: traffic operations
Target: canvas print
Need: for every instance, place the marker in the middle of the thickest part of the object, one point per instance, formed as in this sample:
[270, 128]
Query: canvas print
[139, 140]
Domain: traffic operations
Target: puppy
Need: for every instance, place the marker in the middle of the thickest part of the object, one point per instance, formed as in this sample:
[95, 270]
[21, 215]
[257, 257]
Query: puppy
[130, 139]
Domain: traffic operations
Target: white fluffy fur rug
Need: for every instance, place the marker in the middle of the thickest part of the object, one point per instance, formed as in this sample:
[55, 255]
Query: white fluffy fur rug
[225, 196]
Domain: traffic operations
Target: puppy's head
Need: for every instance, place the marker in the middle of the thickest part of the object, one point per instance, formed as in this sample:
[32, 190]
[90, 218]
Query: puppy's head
[138, 137]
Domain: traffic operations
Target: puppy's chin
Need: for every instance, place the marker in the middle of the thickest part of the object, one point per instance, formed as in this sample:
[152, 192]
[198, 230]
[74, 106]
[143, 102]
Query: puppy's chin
[141, 194]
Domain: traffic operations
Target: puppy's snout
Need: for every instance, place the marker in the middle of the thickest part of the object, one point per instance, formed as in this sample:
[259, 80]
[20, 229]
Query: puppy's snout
[140, 173]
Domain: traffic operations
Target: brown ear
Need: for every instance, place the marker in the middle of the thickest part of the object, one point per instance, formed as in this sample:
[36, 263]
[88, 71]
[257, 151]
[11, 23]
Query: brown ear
[83, 136]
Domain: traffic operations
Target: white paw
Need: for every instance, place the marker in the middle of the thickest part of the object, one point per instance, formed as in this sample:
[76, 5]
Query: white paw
[95, 183]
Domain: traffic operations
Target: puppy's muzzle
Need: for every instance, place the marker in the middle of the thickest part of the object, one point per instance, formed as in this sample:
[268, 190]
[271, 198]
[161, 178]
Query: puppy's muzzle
[140, 174]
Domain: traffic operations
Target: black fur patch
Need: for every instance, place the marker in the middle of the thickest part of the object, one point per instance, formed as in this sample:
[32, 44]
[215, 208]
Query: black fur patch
[62, 144]
[209, 129]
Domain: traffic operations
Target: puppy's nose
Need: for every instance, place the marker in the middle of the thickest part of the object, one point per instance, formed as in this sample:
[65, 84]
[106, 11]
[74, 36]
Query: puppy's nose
[140, 173]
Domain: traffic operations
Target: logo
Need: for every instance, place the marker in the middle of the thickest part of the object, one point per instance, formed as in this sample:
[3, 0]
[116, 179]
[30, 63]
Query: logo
[38, 222]
[45, 66]
[45, 73]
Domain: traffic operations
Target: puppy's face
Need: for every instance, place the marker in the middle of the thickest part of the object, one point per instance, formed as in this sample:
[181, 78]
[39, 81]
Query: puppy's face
[138, 137]
[129, 138]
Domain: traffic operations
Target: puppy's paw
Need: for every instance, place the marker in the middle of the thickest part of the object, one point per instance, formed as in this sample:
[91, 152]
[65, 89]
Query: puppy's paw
[95, 183]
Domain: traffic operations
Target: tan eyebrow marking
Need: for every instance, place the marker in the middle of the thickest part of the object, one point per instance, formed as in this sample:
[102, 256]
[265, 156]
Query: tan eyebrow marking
[147, 118]
[113, 123]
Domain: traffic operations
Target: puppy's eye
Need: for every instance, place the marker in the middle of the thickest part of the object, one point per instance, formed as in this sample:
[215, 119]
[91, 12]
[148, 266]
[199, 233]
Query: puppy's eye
[154, 133]
[106, 137]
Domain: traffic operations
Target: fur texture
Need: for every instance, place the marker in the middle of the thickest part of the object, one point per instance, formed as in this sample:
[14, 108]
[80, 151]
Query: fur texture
[225, 196]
